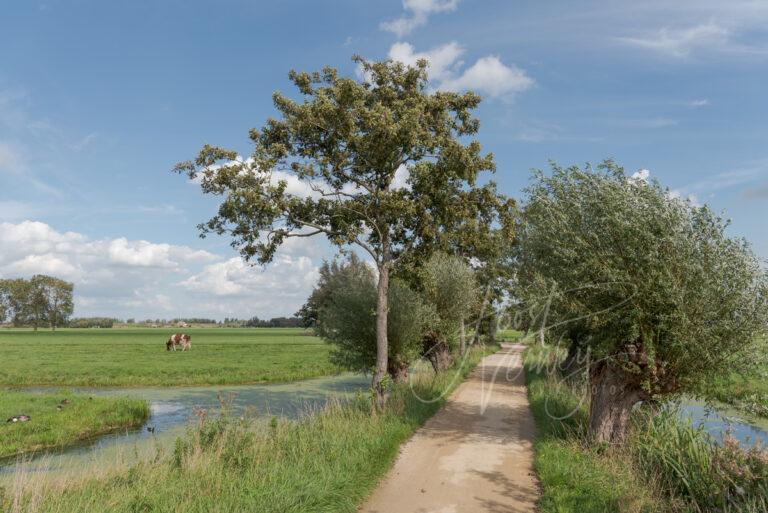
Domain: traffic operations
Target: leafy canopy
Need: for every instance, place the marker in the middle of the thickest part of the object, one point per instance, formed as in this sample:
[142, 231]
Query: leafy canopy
[654, 282]
[340, 147]
[448, 285]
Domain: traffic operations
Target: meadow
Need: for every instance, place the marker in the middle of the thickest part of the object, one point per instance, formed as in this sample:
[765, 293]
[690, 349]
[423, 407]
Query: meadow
[62, 418]
[327, 462]
[137, 357]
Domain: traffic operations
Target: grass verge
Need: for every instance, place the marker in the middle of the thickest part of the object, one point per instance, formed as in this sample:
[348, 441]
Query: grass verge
[664, 466]
[575, 477]
[58, 419]
[326, 462]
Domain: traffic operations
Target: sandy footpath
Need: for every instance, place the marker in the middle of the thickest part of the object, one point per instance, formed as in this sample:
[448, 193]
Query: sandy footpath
[474, 455]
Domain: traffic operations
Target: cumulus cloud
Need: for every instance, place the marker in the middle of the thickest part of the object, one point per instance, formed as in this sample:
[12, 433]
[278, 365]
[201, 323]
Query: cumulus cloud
[417, 14]
[443, 59]
[137, 278]
[487, 75]
[236, 278]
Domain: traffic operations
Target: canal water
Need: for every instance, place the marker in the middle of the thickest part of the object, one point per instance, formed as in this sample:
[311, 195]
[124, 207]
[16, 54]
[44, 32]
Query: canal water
[719, 420]
[172, 411]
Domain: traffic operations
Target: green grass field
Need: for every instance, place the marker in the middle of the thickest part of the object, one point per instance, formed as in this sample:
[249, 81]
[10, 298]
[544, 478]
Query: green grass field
[79, 417]
[137, 357]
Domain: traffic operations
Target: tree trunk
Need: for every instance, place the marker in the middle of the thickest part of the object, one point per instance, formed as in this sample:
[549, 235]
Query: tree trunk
[437, 352]
[613, 395]
[380, 393]
[493, 326]
[398, 371]
[462, 339]
[486, 297]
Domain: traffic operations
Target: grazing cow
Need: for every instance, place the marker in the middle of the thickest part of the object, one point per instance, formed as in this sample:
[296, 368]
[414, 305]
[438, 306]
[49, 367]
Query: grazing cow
[179, 339]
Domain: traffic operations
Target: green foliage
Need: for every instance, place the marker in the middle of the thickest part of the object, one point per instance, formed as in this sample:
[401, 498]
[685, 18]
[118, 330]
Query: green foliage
[39, 300]
[92, 322]
[346, 141]
[654, 282]
[59, 419]
[448, 284]
[688, 465]
[137, 357]
[346, 295]
[321, 294]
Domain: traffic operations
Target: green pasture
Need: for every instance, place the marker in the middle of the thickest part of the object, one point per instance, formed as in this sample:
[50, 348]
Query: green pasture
[61, 418]
[137, 357]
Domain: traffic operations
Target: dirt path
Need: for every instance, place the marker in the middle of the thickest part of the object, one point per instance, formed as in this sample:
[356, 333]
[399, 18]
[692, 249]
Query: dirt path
[474, 455]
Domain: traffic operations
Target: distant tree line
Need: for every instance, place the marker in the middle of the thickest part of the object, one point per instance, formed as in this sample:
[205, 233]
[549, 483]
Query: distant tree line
[255, 322]
[92, 322]
[194, 320]
[38, 301]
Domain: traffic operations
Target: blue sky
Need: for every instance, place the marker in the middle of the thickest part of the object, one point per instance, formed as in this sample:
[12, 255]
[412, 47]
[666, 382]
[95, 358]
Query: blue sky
[98, 100]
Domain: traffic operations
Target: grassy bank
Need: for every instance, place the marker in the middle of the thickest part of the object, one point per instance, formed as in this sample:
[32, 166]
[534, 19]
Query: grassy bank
[665, 466]
[748, 393]
[137, 357]
[574, 476]
[326, 462]
[61, 419]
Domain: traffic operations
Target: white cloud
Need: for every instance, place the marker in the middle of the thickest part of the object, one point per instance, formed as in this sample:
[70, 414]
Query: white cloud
[680, 195]
[698, 103]
[641, 175]
[487, 75]
[140, 253]
[136, 278]
[419, 12]
[680, 42]
[236, 278]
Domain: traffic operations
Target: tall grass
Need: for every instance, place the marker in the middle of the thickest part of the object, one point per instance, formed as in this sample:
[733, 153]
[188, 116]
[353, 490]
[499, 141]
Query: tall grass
[328, 461]
[701, 474]
[665, 465]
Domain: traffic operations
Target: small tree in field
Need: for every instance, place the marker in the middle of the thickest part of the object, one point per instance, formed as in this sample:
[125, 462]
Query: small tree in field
[341, 147]
[662, 299]
[448, 284]
[347, 318]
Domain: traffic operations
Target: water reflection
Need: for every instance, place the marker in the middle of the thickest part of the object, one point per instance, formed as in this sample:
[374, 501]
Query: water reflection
[721, 420]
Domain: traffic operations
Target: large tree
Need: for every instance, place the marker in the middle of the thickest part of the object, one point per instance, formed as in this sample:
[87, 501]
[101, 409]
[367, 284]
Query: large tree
[341, 146]
[656, 291]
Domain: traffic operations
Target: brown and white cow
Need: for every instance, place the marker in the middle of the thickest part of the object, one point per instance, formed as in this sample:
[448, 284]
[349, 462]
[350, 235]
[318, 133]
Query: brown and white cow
[179, 339]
